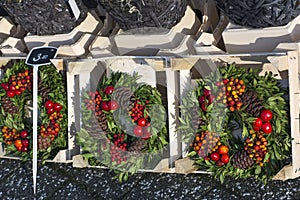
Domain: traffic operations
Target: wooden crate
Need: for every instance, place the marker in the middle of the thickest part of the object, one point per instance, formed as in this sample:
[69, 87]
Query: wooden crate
[63, 156]
[84, 75]
[285, 64]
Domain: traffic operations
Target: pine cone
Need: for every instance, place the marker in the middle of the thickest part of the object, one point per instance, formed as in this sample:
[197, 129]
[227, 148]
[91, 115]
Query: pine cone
[253, 103]
[241, 160]
[102, 120]
[124, 96]
[137, 146]
[43, 142]
[197, 121]
[95, 131]
[43, 90]
[9, 106]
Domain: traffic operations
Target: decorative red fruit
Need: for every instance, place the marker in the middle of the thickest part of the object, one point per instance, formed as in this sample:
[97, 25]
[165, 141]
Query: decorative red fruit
[258, 122]
[5, 86]
[23, 134]
[10, 94]
[225, 81]
[138, 131]
[223, 150]
[201, 99]
[215, 156]
[113, 105]
[49, 104]
[57, 107]
[13, 88]
[225, 158]
[18, 92]
[109, 89]
[267, 127]
[50, 111]
[142, 122]
[104, 106]
[25, 143]
[206, 92]
[220, 163]
[256, 148]
[266, 115]
[24, 149]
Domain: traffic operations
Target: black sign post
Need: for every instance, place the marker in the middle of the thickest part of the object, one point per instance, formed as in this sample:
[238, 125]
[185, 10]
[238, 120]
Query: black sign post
[37, 57]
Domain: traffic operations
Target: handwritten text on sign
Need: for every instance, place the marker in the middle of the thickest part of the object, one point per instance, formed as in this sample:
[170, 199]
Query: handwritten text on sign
[41, 55]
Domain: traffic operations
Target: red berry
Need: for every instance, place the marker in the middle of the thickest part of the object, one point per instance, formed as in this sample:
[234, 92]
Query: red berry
[50, 111]
[267, 127]
[57, 107]
[266, 115]
[113, 105]
[24, 149]
[5, 86]
[142, 122]
[109, 89]
[225, 158]
[23, 134]
[25, 143]
[18, 92]
[215, 156]
[19, 148]
[13, 88]
[219, 163]
[104, 106]
[138, 131]
[10, 93]
[49, 104]
[258, 122]
[206, 92]
[201, 99]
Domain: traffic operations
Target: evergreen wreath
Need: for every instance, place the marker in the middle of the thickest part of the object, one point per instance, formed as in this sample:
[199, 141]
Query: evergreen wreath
[238, 122]
[124, 124]
[16, 111]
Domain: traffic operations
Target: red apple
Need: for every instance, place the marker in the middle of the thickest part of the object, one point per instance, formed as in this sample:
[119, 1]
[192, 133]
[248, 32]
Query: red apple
[49, 104]
[138, 131]
[215, 156]
[24, 134]
[57, 107]
[109, 89]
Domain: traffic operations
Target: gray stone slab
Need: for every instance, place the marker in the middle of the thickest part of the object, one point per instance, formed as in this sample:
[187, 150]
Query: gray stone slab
[62, 181]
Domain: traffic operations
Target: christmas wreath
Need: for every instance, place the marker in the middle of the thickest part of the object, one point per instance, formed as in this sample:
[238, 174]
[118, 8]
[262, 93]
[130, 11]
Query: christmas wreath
[16, 111]
[124, 124]
[236, 123]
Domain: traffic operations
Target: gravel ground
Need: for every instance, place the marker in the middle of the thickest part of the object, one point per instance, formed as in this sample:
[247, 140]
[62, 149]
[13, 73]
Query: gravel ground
[62, 181]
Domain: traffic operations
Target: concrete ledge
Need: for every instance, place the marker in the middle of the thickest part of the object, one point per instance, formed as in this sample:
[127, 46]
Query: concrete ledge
[185, 166]
[89, 25]
[13, 47]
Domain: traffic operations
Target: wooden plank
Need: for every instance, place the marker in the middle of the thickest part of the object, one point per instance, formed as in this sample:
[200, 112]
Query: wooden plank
[280, 62]
[293, 72]
[58, 63]
[173, 110]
